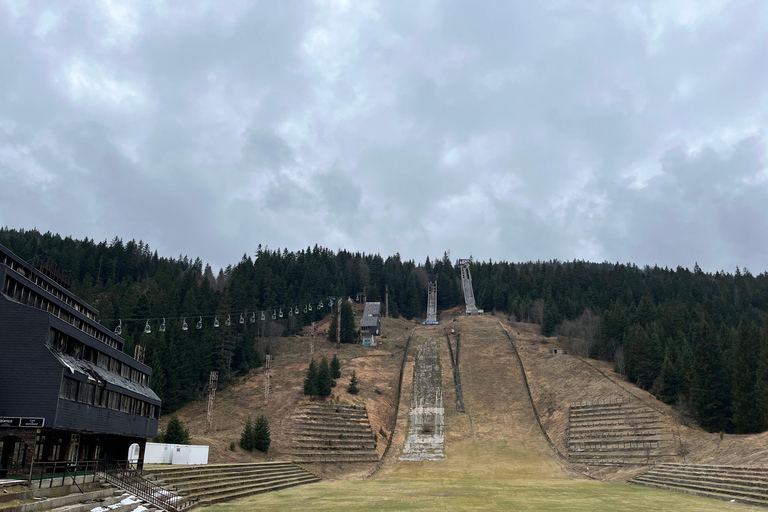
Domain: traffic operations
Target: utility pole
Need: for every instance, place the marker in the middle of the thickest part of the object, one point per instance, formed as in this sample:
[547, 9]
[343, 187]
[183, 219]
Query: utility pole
[312, 342]
[338, 328]
[212, 384]
[386, 300]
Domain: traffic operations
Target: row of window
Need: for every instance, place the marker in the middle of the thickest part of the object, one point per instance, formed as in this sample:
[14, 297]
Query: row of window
[21, 293]
[77, 349]
[45, 285]
[91, 394]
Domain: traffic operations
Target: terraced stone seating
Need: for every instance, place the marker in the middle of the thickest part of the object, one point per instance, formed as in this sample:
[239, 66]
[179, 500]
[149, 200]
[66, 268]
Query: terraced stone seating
[332, 433]
[215, 483]
[729, 483]
[617, 433]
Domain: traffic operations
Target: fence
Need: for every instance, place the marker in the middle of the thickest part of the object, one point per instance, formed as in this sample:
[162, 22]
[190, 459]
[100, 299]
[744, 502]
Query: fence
[54, 474]
[128, 477]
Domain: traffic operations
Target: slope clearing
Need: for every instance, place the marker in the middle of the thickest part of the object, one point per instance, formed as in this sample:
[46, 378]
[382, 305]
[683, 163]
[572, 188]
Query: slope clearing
[495, 455]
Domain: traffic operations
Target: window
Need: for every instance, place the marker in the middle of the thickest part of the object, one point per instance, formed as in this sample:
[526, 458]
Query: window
[114, 400]
[39, 447]
[85, 393]
[68, 389]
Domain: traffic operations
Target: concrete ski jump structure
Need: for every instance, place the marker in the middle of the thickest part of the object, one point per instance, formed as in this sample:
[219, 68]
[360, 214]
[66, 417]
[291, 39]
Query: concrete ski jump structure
[466, 284]
[426, 419]
[431, 301]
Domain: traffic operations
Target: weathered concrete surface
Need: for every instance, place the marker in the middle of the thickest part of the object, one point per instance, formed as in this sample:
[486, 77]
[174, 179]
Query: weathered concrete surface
[426, 418]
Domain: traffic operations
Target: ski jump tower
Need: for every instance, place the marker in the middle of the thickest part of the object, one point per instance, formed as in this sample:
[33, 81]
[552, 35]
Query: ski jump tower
[431, 301]
[466, 284]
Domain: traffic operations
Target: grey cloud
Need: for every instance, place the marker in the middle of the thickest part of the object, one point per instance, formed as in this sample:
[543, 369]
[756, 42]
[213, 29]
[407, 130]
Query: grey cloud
[626, 131]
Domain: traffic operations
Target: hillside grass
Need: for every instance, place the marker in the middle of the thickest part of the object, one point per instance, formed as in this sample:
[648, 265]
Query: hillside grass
[496, 458]
[476, 476]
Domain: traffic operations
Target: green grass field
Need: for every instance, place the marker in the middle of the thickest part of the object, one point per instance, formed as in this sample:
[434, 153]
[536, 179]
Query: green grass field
[485, 476]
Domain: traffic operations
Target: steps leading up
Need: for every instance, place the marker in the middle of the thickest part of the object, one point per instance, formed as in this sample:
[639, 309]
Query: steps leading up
[729, 483]
[224, 482]
[332, 433]
[616, 433]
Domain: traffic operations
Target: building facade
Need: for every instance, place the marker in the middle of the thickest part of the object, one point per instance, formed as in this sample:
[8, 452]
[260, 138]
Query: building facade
[68, 392]
[371, 321]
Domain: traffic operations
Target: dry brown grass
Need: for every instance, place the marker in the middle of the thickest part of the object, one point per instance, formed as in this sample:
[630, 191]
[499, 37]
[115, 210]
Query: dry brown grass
[558, 380]
[377, 368]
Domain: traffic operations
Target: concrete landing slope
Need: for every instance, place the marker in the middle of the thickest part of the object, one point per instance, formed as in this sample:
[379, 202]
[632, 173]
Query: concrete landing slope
[426, 436]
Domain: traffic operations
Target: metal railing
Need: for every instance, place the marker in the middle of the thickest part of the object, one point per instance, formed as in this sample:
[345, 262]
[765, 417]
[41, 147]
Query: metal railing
[55, 474]
[128, 477]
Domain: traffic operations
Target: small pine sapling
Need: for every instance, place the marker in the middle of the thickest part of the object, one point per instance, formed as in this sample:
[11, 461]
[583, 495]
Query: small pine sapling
[352, 388]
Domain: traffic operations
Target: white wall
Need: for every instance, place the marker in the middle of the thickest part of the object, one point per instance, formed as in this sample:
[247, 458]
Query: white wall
[161, 453]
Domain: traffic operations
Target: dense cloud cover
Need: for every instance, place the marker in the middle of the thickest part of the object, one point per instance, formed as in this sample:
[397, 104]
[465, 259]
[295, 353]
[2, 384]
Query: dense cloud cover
[603, 130]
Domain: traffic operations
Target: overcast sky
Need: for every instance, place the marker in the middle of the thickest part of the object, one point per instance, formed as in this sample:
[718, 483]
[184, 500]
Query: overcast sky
[600, 130]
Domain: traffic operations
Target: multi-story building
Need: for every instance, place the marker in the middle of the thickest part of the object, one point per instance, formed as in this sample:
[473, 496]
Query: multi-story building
[68, 392]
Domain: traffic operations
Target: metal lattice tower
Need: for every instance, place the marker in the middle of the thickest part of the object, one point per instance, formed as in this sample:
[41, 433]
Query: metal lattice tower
[312, 342]
[466, 284]
[432, 300]
[212, 384]
[267, 377]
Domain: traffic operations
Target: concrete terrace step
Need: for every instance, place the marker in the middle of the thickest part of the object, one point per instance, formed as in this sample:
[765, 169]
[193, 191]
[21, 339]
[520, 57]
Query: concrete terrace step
[197, 491]
[618, 433]
[603, 424]
[761, 484]
[612, 412]
[330, 435]
[149, 470]
[249, 491]
[346, 413]
[607, 406]
[594, 445]
[199, 483]
[351, 408]
[625, 418]
[617, 454]
[705, 494]
[218, 472]
[732, 490]
[319, 457]
[320, 445]
[707, 467]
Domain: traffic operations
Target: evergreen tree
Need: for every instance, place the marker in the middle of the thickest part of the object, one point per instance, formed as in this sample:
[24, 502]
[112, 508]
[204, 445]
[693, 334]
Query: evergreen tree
[247, 437]
[261, 436]
[710, 390]
[335, 367]
[176, 432]
[310, 381]
[551, 318]
[352, 388]
[348, 327]
[333, 325]
[324, 379]
[761, 385]
[746, 414]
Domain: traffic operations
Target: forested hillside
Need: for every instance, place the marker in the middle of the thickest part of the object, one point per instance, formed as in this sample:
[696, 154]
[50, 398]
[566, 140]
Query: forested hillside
[695, 339]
